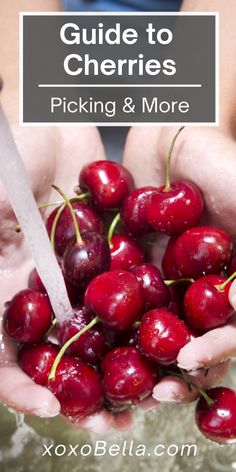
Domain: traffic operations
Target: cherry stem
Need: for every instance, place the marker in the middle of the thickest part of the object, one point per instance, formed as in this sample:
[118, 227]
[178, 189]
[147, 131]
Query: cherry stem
[81, 195]
[170, 283]
[50, 204]
[222, 286]
[68, 203]
[167, 186]
[184, 376]
[136, 324]
[112, 228]
[67, 344]
[54, 322]
[54, 225]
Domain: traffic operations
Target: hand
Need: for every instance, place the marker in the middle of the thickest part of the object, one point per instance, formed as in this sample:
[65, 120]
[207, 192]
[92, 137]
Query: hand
[51, 155]
[205, 156]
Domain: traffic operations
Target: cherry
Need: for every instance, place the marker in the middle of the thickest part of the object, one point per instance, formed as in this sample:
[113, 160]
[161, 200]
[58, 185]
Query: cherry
[206, 302]
[83, 260]
[156, 293]
[87, 220]
[36, 361]
[169, 267]
[217, 419]
[174, 207]
[86, 255]
[92, 346]
[108, 183]
[116, 298]
[78, 388]
[125, 252]
[28, 316]
[133, 211]
[162, 335]
[127, 376]
[36, 283]
[203, 250]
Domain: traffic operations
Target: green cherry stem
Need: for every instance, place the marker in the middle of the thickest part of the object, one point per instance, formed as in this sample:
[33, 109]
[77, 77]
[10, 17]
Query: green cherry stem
[222, 286]
[79, 193]
[54, 322]
[112, 228]
[54, 225]
[167, 186]
[68, 203]
[170, 283]
[184, 376]
[67, 344]
[50, 204]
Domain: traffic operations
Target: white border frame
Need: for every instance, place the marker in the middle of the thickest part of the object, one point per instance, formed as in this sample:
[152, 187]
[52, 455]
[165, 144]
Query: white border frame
[217, 95]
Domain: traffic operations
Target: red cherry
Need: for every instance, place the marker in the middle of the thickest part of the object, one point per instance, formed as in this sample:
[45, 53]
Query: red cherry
[203, 250]
[28, 316]
[125, 252]
[37, 361]
[156, 293]
[217, 421]
[134, 209]
[108, 183]
[173, 211]
[177, 206]
[116, 298]
[78, 388]
[92, 346]
[82, 261]
[87, 220]
[162, 335]
[169, 267]
[35, 283]
[206, 306]
[127, 376]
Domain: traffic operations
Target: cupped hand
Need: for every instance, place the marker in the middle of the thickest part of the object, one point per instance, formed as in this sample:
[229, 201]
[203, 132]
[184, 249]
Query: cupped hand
[51, 155]
[207, 157]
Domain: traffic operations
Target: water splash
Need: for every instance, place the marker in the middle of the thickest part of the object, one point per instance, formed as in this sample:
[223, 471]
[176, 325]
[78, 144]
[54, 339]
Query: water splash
[13, 176]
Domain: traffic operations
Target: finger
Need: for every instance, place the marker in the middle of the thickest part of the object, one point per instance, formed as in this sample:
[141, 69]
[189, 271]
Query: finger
[140, 155]
[148, 404]
[173, 389]
[75, 148]
[99, 422]
[21, 393]
[232, 295]
[123, 421]
[210, 349]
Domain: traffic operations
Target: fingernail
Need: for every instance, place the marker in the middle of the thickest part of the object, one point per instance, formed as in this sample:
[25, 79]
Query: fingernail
[47, 410]
[162, 396]
[191, 365]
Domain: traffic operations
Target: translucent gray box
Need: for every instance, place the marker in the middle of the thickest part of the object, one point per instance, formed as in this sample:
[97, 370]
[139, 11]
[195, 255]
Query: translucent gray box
[51, 96]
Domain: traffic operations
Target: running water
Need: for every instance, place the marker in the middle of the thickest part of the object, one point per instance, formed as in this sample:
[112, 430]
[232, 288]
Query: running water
[14, 179]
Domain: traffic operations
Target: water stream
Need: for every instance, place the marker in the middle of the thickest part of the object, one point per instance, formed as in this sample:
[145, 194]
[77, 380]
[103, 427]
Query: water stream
[14, 178]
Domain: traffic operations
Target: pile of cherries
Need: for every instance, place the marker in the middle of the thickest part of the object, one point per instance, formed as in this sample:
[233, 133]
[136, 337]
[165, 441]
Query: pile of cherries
[130, 319]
